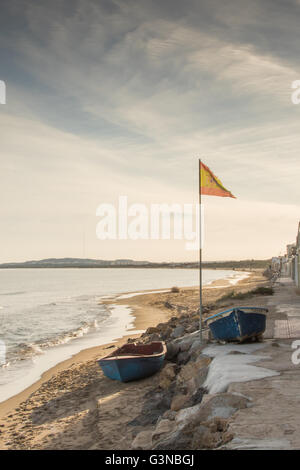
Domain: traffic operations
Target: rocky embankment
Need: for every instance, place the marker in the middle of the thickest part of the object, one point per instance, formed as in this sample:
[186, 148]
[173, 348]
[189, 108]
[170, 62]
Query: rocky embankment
[179, 413]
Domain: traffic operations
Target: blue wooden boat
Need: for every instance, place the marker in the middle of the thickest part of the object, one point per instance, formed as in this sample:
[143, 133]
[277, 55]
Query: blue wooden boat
[237, 324]
[134, 361]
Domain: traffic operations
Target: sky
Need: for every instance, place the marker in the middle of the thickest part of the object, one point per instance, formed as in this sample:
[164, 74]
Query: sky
[115, 98]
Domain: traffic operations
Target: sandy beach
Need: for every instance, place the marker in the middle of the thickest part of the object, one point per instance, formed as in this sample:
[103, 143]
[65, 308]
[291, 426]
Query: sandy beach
[73, 406]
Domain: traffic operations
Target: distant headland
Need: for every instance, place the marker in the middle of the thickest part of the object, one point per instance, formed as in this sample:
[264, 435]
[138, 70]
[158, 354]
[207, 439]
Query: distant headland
[129, 263]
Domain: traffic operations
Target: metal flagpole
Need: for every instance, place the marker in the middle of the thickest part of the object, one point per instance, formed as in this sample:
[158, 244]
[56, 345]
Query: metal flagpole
[200, 255]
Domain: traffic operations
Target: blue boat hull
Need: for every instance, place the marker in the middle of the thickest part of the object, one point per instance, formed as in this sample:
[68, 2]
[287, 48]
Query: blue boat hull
[126, 370]
[237, 325]
[134, 361]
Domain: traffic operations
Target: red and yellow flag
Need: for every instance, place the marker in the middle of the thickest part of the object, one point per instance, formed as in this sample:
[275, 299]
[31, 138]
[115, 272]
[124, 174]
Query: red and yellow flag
[211, 185]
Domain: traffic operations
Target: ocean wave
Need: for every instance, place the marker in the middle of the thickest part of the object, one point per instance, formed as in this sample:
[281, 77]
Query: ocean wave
[29, 350]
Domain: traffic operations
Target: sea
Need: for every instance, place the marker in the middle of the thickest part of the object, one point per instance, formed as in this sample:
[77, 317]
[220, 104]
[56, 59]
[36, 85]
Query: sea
[48, 315]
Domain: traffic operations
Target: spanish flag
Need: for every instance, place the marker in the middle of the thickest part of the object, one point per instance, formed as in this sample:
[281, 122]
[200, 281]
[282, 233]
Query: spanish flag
[211, 185]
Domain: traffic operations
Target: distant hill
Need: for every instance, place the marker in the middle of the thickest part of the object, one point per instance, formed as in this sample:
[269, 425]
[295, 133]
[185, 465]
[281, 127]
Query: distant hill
[73, 262]
[129, 263]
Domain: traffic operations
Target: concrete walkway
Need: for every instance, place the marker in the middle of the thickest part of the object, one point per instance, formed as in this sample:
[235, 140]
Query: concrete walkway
[273, 419]
[287, 302]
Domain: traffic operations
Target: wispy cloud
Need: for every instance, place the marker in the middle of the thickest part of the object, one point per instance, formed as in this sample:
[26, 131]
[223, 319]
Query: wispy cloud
[113, 97]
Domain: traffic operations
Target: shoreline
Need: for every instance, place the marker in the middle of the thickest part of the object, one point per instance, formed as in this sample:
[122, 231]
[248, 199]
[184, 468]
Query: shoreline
[139, 322]
[136, 324]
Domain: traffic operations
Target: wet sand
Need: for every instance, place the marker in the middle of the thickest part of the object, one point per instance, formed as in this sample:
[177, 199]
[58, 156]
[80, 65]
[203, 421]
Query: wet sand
[73, 406]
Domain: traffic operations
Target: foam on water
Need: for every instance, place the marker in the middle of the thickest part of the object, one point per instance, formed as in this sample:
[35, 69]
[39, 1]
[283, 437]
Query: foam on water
[135, 294]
